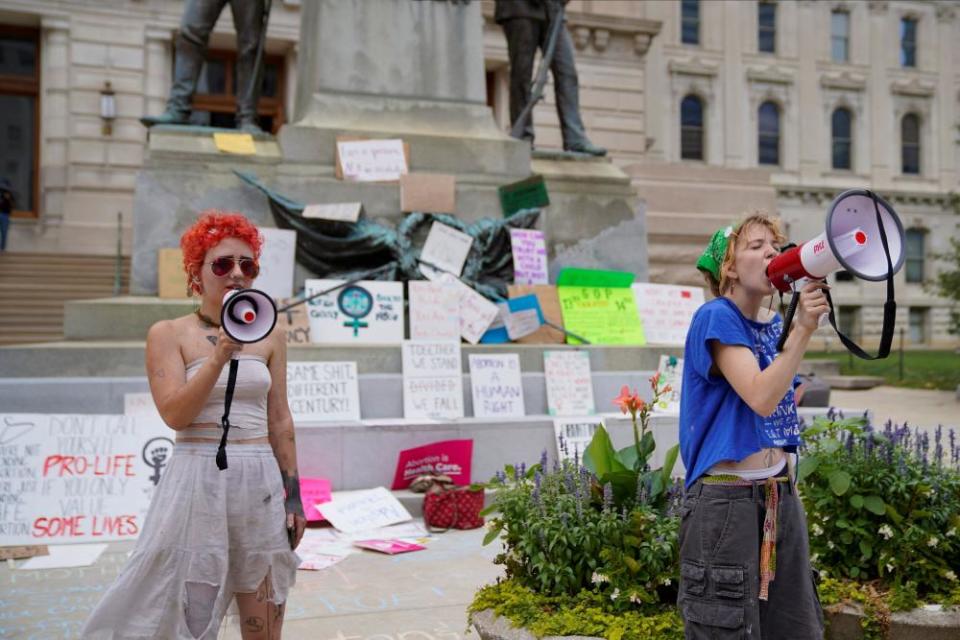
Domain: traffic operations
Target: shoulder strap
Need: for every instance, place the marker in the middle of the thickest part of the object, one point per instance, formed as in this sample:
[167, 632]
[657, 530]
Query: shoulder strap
[225, 420]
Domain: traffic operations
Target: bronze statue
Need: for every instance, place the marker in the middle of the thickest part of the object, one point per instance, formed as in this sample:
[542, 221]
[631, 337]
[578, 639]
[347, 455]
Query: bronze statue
[538, 24]
[199, 17]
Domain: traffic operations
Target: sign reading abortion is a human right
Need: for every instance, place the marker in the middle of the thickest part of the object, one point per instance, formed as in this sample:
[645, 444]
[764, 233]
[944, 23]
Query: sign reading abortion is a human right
[78, 478]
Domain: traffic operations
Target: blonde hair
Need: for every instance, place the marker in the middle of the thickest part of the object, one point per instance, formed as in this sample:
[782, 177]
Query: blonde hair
[756, 218]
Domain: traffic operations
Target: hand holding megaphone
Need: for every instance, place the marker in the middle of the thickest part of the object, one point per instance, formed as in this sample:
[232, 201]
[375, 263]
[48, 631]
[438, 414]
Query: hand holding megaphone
[813, 309]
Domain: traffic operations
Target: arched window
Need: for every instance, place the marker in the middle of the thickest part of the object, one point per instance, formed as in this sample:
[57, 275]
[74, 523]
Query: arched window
[691, 128]
[842, 138]
[768, 133]
[910, 143]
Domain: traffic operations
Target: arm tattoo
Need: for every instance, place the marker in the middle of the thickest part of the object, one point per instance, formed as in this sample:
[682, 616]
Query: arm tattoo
[213, 340]
[160, 373]
[291, 487]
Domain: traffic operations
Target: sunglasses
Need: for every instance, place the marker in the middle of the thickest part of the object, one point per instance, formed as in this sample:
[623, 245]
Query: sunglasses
[223, 266]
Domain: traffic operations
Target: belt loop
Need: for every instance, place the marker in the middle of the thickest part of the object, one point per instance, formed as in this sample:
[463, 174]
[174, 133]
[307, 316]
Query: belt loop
[697, 488]
[755, 485]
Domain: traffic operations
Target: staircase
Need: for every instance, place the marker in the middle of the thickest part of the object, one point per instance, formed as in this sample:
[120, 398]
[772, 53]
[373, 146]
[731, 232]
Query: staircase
[34, 287]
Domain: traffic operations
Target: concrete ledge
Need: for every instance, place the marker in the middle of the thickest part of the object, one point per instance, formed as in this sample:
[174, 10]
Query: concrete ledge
[853, 382]
[490, 626]
[918, 624]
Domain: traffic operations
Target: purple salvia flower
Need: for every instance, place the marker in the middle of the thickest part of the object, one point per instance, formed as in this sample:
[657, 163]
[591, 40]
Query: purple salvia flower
[516, 473]
[523, 469]
[543, 460]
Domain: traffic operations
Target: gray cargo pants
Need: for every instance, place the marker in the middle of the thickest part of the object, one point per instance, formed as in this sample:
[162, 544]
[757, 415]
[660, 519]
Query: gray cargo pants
[720, 535]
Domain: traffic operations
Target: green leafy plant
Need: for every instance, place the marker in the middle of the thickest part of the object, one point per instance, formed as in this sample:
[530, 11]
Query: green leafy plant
[883, 506]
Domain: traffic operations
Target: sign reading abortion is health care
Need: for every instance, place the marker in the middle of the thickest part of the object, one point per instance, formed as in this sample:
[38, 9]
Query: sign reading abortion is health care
[78, 478]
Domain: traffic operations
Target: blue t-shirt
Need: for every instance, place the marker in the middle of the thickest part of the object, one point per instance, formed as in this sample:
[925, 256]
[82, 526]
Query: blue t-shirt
[715, 423]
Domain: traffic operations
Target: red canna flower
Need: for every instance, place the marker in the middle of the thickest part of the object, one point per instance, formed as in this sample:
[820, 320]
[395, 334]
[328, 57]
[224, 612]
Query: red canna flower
[654, 381]
[624, 400]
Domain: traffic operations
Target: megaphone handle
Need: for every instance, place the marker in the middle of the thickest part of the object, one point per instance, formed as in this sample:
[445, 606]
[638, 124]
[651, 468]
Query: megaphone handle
[225, 420]
[788, 320]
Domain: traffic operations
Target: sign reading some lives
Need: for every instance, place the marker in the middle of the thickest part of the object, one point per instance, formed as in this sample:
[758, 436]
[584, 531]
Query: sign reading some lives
[569, 383]
[434, 311]
[529, 256]
[78, 478]
[432, 380]
[371, 160]
[574, 435]
[450, 457]
[367, 312]
[323, 391]
[666, 310]
[497, 385]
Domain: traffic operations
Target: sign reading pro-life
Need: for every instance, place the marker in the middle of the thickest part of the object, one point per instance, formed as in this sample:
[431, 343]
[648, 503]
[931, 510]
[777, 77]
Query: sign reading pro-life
[78, 478]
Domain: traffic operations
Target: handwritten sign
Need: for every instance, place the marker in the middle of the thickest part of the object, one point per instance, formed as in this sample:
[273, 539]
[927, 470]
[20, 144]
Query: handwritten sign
[476, 312]
[339, 211]
[314, 491]
[446, 248]
[497, 385]
[666, 310]
[351, 511]
[602, 315]
[323, 391]
[235, 143]
[432, 380]
[549, 305]
[671, 373]
[450, 457]
[569, 383]
[434, 310]
[371, 160]
[276, 262]
[574, 435]
[529, 256]
[295, 322]
[368, 312]
[78, 478]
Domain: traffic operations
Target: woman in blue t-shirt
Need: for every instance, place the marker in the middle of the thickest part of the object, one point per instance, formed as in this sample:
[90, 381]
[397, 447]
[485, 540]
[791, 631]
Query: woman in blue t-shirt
[744, 552]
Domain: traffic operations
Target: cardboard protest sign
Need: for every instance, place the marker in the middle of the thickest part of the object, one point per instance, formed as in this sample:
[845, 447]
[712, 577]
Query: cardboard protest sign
[323, 391]
[569, 383]
[432, 380]
[671, 373]
[295, 322]
[314, 491]
[549, 304]
[497, 385]
[428, 192]
[78, 478]
[171, 278]
[434, 310]
[529, 193]
[351, 511]
[337, 211]
[476, 312]
[666, 310]
[236, 143]
[529, 256]
[65, 556]
[574, 435]
[446, 248]
[371, 160]
[450, 457]
[517, 317]
[367, 312]
[276, 262]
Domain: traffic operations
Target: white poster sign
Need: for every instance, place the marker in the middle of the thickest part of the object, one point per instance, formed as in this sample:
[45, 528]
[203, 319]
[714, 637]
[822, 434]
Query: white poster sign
[569, 383]
[139, 404]
[671, 374]
[337, 211]
[529, 250]
[666, 310]
[372, 160]
[276, 262]
[78, 478]
[497, 385]
[351, 511]
[323, 391]
[368, 312]
[446, 248]
[432, 380]
[434, 311]
[476, 312]
[574, 435]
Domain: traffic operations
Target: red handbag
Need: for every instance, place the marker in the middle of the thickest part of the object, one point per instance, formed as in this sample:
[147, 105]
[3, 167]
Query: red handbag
[452, 508]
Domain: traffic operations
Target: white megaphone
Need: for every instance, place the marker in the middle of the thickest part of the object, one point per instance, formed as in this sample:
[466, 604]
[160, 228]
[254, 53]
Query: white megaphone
[851, 241]
[248, 315]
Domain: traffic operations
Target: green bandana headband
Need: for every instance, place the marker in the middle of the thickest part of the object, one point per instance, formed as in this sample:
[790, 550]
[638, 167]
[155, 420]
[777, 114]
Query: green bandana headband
[712, 256]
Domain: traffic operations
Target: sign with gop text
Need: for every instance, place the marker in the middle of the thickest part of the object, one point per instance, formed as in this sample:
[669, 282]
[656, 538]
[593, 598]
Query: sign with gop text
[78, 478]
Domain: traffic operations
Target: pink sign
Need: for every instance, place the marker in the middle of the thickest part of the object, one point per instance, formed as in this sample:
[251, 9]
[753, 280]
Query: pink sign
[450, 457]
[314, 491]
[388, 546]
[529, 256]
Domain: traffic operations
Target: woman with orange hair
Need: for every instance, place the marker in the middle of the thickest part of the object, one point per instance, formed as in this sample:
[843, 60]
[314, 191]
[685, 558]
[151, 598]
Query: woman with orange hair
[213, 535]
